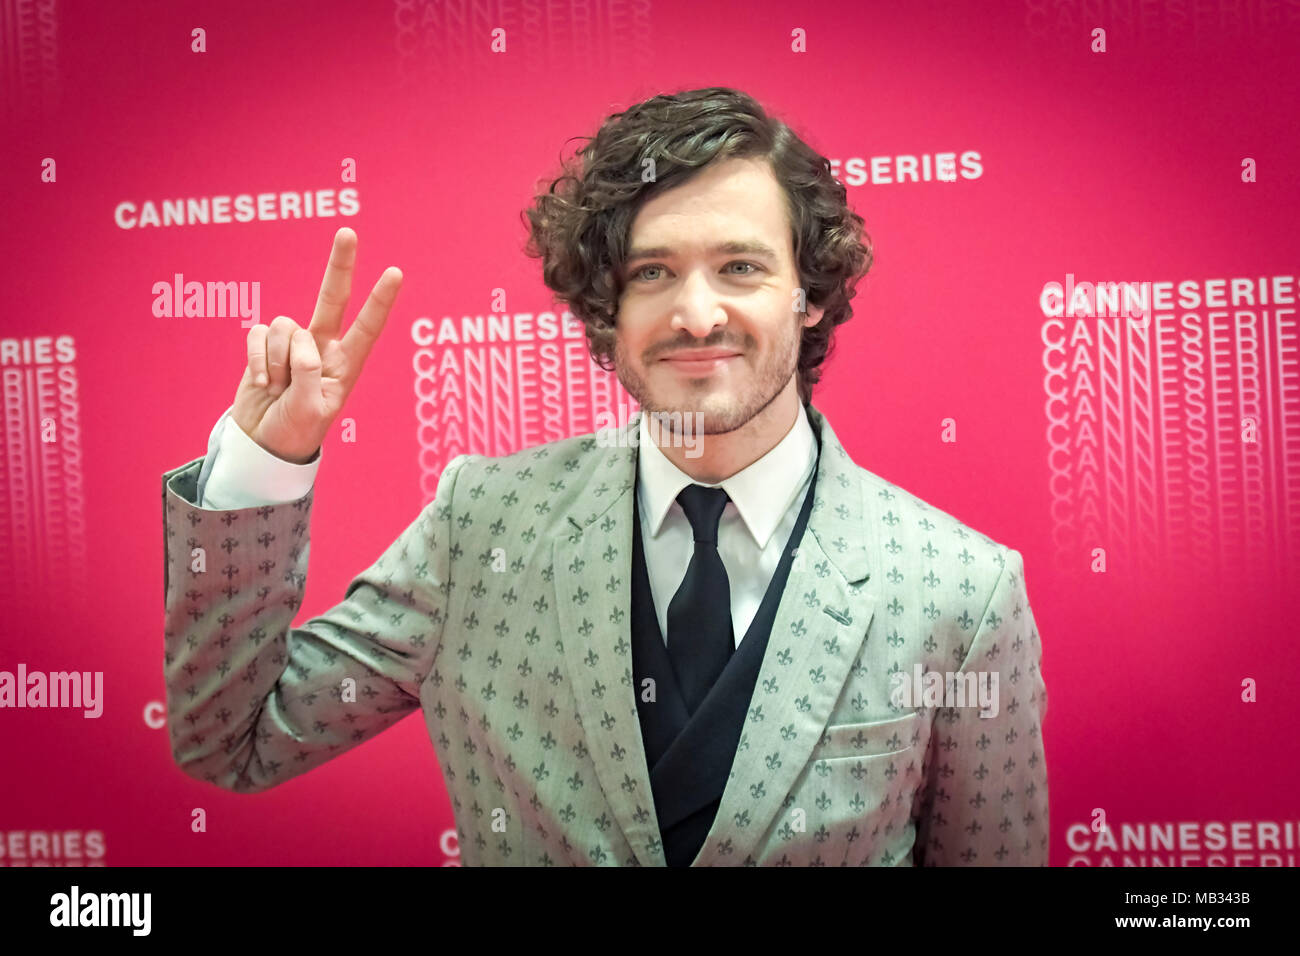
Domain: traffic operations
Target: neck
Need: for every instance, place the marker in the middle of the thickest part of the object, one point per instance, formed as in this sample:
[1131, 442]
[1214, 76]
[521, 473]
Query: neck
[713, 458]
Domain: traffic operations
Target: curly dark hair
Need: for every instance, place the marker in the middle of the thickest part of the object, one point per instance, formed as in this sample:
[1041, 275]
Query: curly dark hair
[579, 227]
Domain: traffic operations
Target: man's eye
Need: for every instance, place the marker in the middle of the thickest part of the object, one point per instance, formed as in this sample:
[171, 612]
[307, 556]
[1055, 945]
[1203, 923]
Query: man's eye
[640, 273]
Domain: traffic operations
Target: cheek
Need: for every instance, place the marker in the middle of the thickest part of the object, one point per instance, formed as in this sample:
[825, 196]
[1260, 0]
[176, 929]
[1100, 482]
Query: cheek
[630, 340]
[626, 350]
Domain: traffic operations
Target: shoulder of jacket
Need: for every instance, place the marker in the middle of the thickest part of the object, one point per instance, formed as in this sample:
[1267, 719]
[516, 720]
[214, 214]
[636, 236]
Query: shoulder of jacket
[887, 502]
[555, 472]
[564, 454]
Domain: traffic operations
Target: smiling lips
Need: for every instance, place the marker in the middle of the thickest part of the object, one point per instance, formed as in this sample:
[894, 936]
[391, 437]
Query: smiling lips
[700, 360]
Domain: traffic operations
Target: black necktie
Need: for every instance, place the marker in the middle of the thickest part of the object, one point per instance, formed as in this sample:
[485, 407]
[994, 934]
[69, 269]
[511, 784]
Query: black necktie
[700, 638]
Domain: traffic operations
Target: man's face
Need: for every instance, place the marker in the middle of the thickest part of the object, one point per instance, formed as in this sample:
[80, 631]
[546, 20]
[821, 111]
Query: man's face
[706, 322]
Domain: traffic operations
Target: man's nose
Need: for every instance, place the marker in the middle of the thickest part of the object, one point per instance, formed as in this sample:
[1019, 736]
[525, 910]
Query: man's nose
[697, 306]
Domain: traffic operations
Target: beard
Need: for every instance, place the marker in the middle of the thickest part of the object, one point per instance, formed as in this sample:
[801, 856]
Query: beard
[717, 406]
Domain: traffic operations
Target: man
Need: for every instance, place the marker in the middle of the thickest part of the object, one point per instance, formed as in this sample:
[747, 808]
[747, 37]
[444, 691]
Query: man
[694, 641]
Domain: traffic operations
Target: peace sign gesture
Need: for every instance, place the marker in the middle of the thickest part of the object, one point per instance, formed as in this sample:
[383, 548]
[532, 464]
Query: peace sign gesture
[296, 379]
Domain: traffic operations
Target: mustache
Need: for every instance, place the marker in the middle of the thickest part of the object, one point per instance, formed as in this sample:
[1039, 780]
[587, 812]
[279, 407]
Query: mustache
[682, 348]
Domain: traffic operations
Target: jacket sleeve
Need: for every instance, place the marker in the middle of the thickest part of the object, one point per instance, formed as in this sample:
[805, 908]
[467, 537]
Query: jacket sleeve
[984, 795]
[253, 702]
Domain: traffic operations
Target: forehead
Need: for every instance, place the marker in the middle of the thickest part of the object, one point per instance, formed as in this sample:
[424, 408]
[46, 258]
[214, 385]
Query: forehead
[730, 200]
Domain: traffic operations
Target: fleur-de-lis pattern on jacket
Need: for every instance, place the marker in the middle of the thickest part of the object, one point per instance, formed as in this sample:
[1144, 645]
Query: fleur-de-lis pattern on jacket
[520, 660]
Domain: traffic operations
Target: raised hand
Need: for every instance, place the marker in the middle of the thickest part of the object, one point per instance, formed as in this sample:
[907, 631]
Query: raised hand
[296, 379]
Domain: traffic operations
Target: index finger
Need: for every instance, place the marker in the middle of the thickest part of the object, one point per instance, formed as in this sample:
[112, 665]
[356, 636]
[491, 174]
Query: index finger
[335, 288]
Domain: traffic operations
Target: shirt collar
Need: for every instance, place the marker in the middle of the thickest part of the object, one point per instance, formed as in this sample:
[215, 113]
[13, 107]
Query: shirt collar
[762, 492]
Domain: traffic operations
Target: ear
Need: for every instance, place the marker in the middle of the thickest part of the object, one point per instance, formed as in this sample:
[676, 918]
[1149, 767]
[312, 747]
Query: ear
[815, 313]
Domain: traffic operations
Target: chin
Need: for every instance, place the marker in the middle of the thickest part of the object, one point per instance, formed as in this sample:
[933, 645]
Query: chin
[711, 403]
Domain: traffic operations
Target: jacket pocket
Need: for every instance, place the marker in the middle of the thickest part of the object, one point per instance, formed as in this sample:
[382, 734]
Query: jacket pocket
[869, 739]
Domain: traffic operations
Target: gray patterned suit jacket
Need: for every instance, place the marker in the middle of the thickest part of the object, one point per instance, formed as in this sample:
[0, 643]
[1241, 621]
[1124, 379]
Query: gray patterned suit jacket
[502, 612]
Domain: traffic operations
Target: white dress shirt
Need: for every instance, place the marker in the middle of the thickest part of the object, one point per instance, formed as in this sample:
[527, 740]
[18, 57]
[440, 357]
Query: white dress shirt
[754, 528]
[755, 525]
[237, 472]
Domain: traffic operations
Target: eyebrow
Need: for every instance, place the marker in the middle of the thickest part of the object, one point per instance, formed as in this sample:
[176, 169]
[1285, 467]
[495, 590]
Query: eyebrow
[748, 247]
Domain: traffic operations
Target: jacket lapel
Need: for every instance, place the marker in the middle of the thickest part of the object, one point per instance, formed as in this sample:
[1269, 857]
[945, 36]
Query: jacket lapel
[592, 561]
[820, 627]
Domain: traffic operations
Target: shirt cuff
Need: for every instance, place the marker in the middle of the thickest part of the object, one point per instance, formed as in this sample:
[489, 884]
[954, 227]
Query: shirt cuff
[240, 473]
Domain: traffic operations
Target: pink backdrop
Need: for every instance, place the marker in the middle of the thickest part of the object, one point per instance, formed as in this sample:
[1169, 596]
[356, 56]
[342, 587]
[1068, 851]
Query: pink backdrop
[1174, 448]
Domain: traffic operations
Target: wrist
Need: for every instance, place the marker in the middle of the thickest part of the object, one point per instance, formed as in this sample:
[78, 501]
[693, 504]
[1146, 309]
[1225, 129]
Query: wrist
[247, 473]
[294, 459]
[287, 456]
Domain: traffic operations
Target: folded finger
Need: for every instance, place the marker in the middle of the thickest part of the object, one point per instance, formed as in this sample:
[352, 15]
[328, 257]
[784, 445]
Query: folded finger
[277, 353]
[257, 354]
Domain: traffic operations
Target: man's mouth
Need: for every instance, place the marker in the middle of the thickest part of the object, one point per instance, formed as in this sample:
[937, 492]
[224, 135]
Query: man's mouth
[697, 361]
